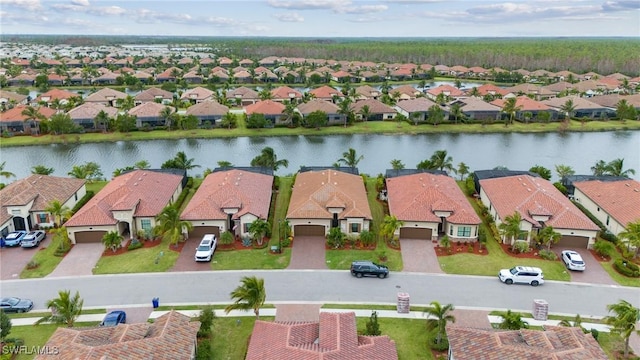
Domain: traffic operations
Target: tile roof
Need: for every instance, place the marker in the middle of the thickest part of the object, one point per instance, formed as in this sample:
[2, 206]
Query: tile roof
[91, 110]
[417, 197]
[491, 89]
[620, 199]
[207, 107]
[15, 114]
[472, 104]
[313, 190]
[415, 105]
[146, 192]
[527, 195]
[198, 93]
[285, 92]
[4, 94]
[552, 343]
[325, 92]
[318, 105]
[406, 89]
[243, 93]
[368, 91]
[447, 90]
[149, 109]
[375, 106]
[53, 94]
[524, 103]
[153, 93]
[579, 103]
[335, 336]
[171, 337]
[251, 190]
[611, 100]
[266, 107]
[105, 95]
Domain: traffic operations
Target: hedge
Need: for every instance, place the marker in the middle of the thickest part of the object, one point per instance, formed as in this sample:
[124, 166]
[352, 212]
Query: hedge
[626, 268]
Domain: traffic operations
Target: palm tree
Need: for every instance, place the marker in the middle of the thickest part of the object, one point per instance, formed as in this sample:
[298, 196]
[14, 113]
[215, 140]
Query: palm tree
[632, 234]
[41, 170]
[112, 240]
[624, 322]
[510, 108]
[142, 164]
[251, 295]
[441, 161]
[269, 159]
[258, 228]
[224, 164]
[228, 120]
[548, 236]
[577, 322]
[65, 309]
[600, 168]
[435, 114]
[438, 318]
[615, 168]
[59, 211]
[397, 164]
[167, 115]
[365, 112]
[456, 111]
[389, 226]
[4, 173]
[350, 158]
[101, 119]
[568, 108]
[510, 227]
[181, 161]
[126, 103]
[564, 170]
[512, 321]
[170, 227]
[462, 170]
[344, 109]
[32, 115]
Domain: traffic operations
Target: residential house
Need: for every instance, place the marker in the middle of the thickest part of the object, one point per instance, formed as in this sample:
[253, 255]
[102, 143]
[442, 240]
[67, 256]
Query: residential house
[342, 76]
[154, 94]
[539, 204]
[560, 87]
[534, 91]
[198, 94]
[225, 62]
[285, 93]
[583, 107]
[365, 92]
[149, 114]
[128, 203]
[56, 80]
[429, 205]
[328, 198]
[55, 94]
[144, 76]
[24, 201]
[551, 343]
[13, 121]
[271, 110]
[611, 101]
[526, 105]
[169, 75]
[106, 96]
[615, 203]
[243, 77]
[416, 110]
[10, 99]
[208, 111]
[193, 77]
[243, 96]
[448, 91]
[404, 92]
[489, 90]
[332, 110]
[377, 110]
[108, 78]
[84, 115]
[229, 200]
[475, 109]
[326, 93]
[21, 80]
[172, 336]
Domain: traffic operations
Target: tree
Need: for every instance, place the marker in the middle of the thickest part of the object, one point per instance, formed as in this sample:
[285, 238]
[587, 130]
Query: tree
[344, 109]
[189, 122]
[224, 164]
[568, 108]
[577, 322]
[142, 164]
[512, 321]
[600, 168]
[548, 236]
[365, 112]
[542, 171]
[372, 326]
[89, 171]
[462, 170]
[61, 124]
[251, 295]
[510, 108]
[65, 309]
[624, 110]
[441, 161]
[59, 211]
[389, 226]
[112, 240]
[229, 121]
[316, 119]
[127, 103]
[269, 159]
[125, 122]
[350, 158]
[624, 321]
[397, 164]
[4, 173]
[616, 168]
[438, 318]
[258, 229]
[5, 326]
[170, 227]
[32, 116]
[510, 227]
[456, 112]
[632, 234]
[435, 114]
[256, 121]
[564, 170]
[41, 170]
[180, 161]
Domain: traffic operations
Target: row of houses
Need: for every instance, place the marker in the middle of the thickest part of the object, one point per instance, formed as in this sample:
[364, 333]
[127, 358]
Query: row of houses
[430, 204]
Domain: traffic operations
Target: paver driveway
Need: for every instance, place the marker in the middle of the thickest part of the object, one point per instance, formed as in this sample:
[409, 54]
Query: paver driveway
[79, 261]
[13, 260]
[594, 272]
[185, 260]
[419, 256]
[308, 253]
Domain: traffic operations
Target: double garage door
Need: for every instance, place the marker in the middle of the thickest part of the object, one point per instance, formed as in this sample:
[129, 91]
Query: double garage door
[199, 231]
[571, 241]
[415, 233]
[84, 237]
[308, 230]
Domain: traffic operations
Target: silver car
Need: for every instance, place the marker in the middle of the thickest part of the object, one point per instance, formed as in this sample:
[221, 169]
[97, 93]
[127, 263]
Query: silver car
[571, 259]
[33, 239]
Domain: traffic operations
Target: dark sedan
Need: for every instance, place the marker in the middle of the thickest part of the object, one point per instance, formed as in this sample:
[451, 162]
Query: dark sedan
[14, 304]
[114, 318]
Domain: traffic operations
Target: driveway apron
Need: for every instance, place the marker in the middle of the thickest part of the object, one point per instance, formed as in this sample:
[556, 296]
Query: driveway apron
[13, 260]
[419, 256]
[186, 260]
[79, 261]
[594, 272]
[308, 252]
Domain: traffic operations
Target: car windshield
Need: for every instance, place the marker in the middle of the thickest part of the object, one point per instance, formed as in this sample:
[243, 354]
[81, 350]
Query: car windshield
[12, 301]
[204, 248]
[111, 322]
[513, 271]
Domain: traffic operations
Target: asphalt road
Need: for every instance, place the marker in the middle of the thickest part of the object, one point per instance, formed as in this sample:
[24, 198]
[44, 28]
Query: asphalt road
[323, 286]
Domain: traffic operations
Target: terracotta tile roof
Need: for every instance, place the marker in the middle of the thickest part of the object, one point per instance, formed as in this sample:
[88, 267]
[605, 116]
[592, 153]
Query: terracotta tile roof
[559, 86]
[552, 343]
[375, 106]
[524, 103]
[53, 94]
[266, 107]
[318, 105]
[148, 109]
[335, 336]
[105, 95]
[527, 194]
[144, 191]
[251, 192]
[207, 107]
[325, 92]
[153, 93]
[243, 93]
[198, 93]
[368, 91]
[612, 100]
[415, 105]
[579, 103]
[314, 189]
[171, 337]
[620, 199]
[285, 92]
[15, 114]
[472, 104]
[448, 90]
[490, 89]
[4, 94]
[243, 74]
[406, 89]
[416, 198]
[91, 110]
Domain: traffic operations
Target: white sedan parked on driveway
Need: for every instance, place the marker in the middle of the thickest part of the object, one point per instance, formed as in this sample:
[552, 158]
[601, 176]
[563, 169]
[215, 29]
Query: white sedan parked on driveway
[573, 261]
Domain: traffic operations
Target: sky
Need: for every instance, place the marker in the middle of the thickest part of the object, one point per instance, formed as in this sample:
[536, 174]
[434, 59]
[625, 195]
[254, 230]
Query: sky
[324, 18]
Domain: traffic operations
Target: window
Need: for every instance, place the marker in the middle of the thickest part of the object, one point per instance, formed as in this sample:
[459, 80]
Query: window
[464, 231]
[523, 235]
[42, 218]
[145, 224]
[355, 227]
[450, 230]
[607, 220]
[245, 227]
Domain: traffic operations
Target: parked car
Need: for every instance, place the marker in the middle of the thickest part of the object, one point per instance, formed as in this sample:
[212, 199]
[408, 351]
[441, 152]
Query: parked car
[14, 238]
[573, 260]
[204, 251]
[14, 304]
[368, 268]
[114, 318]
[522, 275]
[33, 239]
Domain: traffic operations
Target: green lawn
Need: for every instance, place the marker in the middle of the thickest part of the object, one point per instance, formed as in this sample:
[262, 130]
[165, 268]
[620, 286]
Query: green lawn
[619, 278]
[250, 259]
[409, 335]
[138, 261]
[36, 336]
[231, 336]
[96, 186]
[47, 260]
[279, 209]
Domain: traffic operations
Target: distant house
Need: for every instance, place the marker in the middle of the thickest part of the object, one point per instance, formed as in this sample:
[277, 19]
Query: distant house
[285, 93]
[196, 95]
[377, 110]
[554, 342]
[154, 94]
[149, 114]
[335, 336]
[367, 92]
[416, 110]
[24, 201]
[85, 114]
[450, 92]
[582, 107]
[13, 121]
[208, 110]
[229, 200]
[326, 93]
[9, 99]
[243, 96]
[477, 109]
[61, 95]
[332, 110]
[527, 105]
[271, 110]
[324, 199]
[431, 204]
[172, 336]
[128, 203]
[106, 96]
[404, 92]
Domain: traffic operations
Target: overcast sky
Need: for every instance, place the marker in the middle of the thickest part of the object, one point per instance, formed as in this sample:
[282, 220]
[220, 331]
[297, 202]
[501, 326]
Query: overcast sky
[324, 18]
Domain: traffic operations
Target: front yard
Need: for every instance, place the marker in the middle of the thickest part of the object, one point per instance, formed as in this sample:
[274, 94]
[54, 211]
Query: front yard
[153, 259]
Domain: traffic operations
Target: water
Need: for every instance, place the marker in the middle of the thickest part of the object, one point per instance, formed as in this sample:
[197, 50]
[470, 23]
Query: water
[515, 151]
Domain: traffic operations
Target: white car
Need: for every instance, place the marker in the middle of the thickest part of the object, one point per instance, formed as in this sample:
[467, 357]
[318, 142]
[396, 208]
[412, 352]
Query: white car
[573, 261]
[33, 239]
[522, 275]
[204, 251]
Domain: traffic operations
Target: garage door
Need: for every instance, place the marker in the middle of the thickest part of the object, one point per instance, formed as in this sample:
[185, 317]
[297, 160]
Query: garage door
[415, 233]
[573, 241]
[83, 237]
[199, 231]
[308, 230]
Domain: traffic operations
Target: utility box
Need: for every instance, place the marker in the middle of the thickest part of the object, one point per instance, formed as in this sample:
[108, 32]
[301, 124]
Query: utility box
[404, 305]
[540, 309]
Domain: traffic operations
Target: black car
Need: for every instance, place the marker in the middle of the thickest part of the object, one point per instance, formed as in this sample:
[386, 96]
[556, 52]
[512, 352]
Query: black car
[368, 268]
[13, 304]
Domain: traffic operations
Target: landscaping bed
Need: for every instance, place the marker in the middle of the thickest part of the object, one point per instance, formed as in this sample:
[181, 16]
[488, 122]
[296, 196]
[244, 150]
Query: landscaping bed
[457, 248]
[125, 248]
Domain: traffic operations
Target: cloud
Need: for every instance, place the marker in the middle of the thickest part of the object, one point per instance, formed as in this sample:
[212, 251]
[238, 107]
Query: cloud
[414, 1]
[363, 9]
[621, 5]
[509, 12]
[309, 4]
[289, 17]
[93, 10]
[147, 16]
[31, 5]
[220, 21]
[366, 19]
[80, 2]
[107, 10]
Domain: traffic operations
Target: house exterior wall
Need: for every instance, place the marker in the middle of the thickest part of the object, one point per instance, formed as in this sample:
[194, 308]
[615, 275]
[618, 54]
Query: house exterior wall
[71, 231]
[345, 225]
[324, 222]
[591, 234]
[605, 218]
[245, 221]
[420, 224]
[453, 231]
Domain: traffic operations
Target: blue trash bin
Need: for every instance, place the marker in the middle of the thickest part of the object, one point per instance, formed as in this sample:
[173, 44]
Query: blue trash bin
[156, 302]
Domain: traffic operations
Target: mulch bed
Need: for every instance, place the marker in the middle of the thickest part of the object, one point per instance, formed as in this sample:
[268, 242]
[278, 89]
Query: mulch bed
[598, 257]
[532, 254]
[462, 248]
[124, 249]
[356, 246]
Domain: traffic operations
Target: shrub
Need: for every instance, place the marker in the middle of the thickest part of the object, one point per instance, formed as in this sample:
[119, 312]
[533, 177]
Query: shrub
[443, 346]
[286, 241]
[367, 237]
[204, 350]
[135, 244]
[560, 187]
[226, 238]
[32, 265]
[336, 238]
[373, 328]
[470, 248]
[626, 268]
[206, 317]
[603, 248]
[548, 254]
[595, 333]
[520, 247]
[607, 235]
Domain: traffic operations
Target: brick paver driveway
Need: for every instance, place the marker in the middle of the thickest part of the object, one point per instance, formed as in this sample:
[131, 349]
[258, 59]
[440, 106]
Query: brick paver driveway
[79, 261]
[185, 260]
[594, 272]
[419, 256]
[308, 253]
[13, 260]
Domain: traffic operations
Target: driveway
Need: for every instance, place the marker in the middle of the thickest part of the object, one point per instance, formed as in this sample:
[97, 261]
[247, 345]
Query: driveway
[79, 261]
[594, 272]
[419, 256]
[185, 260]
[308, 253]
[13, 260]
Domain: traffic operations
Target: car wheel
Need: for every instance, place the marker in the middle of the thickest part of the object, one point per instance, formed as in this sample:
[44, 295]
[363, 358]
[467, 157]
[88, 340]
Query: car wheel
[535, 283]
[358, 275]
[19, 311]
[508, 281]
[381, 276]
